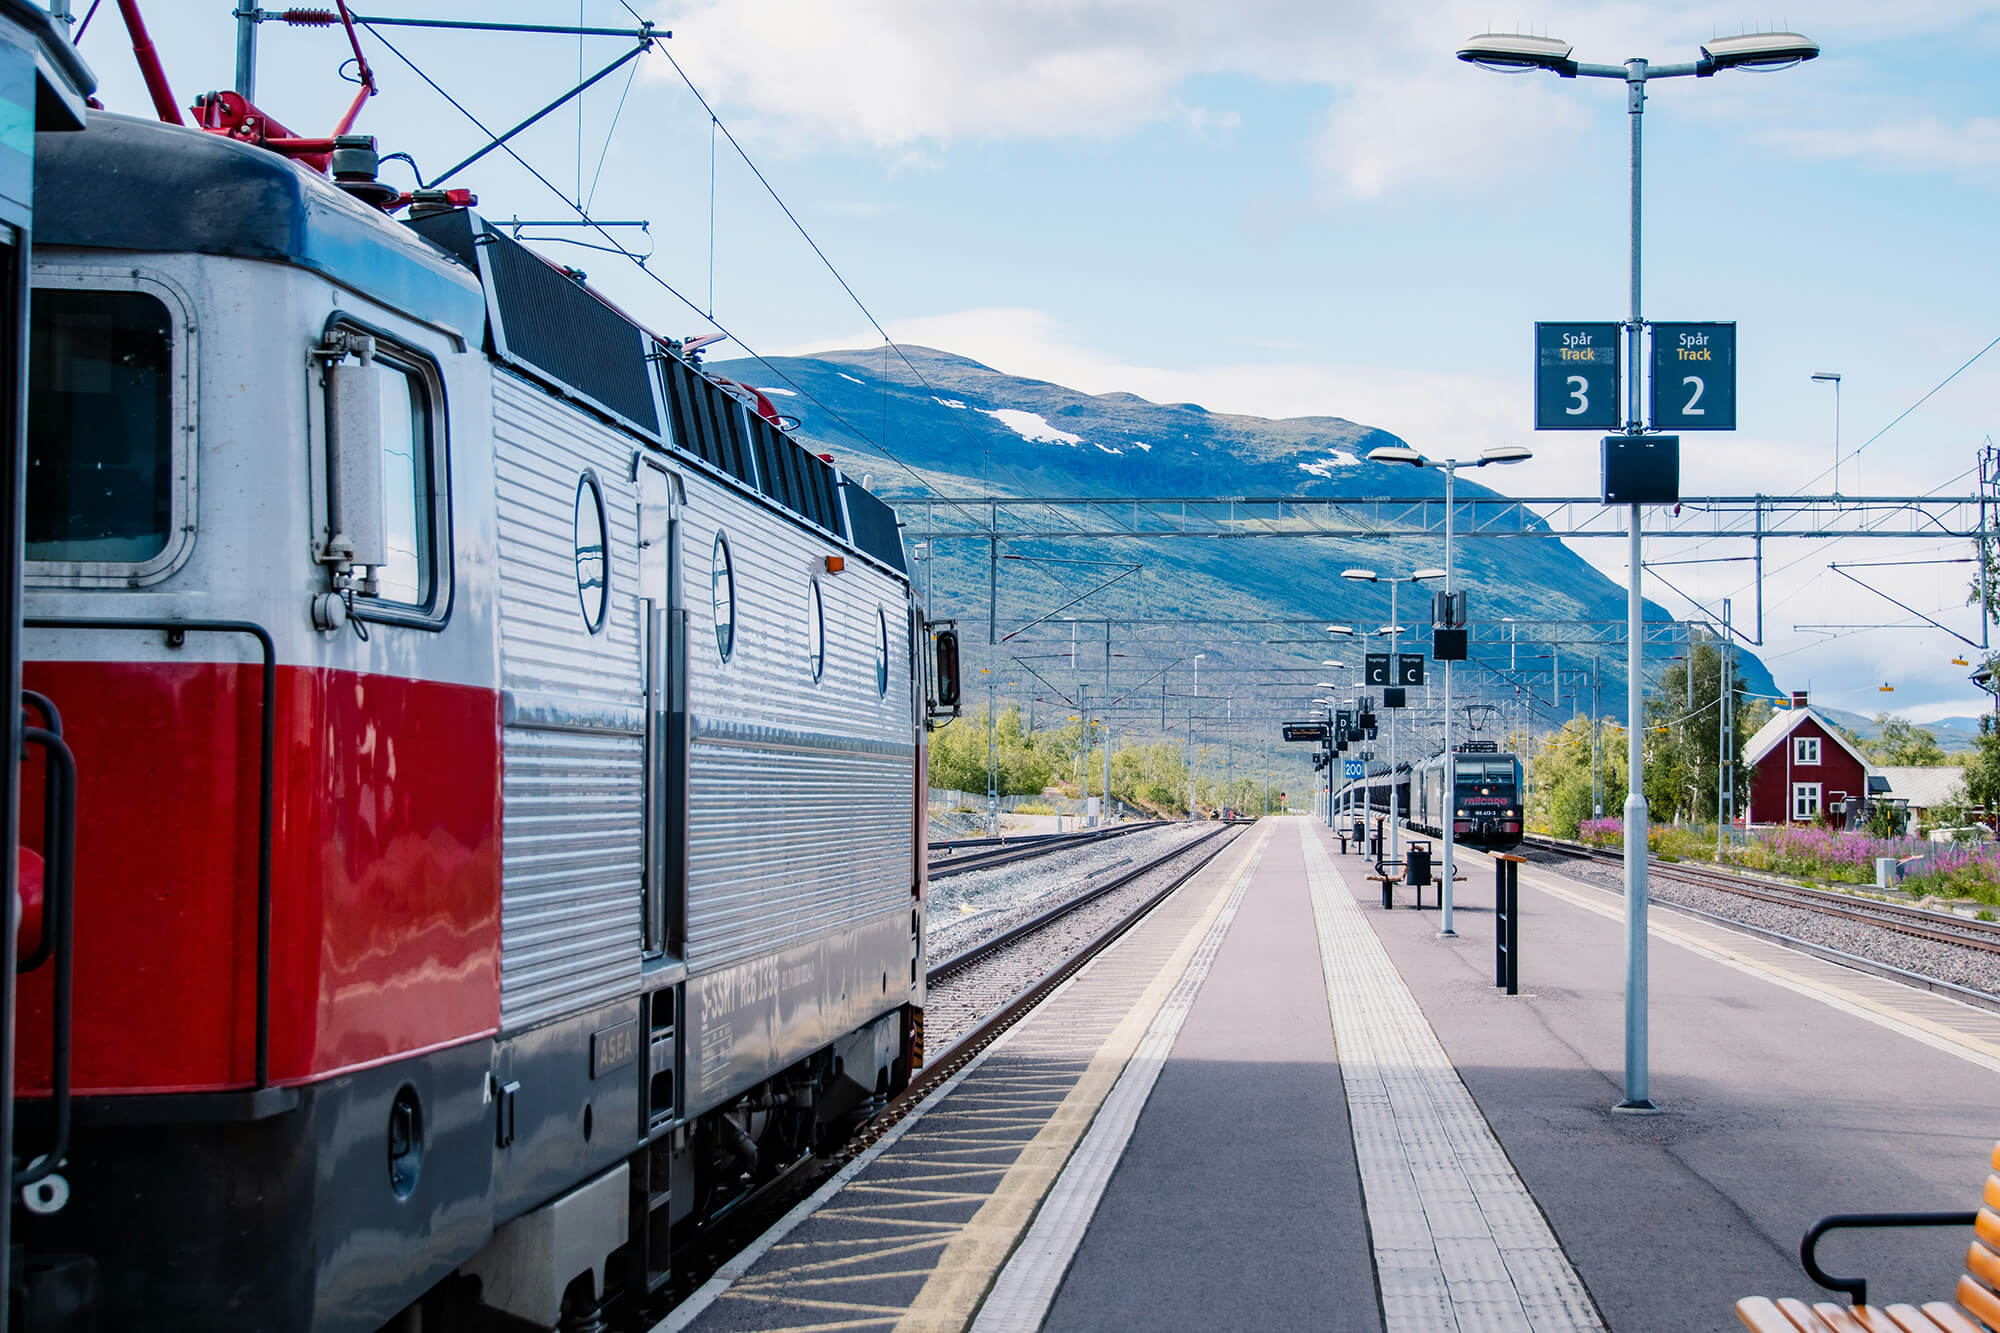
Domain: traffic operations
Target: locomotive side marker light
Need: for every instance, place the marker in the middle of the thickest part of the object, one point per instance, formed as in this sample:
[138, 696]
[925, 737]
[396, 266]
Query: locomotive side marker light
[835, 563]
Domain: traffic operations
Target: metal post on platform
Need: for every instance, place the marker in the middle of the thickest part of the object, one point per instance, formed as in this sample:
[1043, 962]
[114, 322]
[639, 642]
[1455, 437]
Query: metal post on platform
[1507, 922]
[1636, 820]
[1725, 778]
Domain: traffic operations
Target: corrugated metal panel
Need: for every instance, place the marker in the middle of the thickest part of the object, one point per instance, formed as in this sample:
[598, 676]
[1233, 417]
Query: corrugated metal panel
[834, 779]
[541, 448]
[572, 813]
[569, 901]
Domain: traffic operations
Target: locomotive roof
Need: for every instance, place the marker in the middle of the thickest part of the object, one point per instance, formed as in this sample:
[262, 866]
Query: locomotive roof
[130, 184]
[127, 183]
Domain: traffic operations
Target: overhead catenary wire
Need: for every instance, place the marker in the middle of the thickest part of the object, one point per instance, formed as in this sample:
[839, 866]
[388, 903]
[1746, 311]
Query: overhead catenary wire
[639, 262]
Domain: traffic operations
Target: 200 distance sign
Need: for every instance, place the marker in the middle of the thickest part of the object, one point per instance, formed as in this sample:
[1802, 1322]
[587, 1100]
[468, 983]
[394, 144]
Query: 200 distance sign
[1576, 376]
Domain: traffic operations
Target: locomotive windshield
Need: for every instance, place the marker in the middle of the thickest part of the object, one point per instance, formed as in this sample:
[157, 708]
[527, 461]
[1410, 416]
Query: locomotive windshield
[100, 426]
[1486, 770]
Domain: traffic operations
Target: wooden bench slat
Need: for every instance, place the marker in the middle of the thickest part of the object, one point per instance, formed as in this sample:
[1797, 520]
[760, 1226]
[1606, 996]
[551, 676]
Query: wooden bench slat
[1909, 1319]
[1950, 1318]
[1990, 1196]
[1986, 1225]
[1846, 1319]
[1983, 1263]
[1996, 1157]
[1867, 1317]
[1760, 1315]
[1983, 1304]
[1806, 1319]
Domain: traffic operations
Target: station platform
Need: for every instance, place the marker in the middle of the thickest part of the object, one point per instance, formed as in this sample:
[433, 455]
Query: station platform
[1274, 1104]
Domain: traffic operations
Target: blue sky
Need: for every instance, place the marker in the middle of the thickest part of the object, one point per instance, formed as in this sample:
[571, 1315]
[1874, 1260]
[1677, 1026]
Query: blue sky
[1285, 208]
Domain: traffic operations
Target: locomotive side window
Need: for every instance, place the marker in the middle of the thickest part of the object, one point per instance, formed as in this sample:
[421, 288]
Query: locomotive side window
[593, 585]
[101, 474]
[815, 630]
[406, 485]
[881, 652]
[722, 589]
[413, 586]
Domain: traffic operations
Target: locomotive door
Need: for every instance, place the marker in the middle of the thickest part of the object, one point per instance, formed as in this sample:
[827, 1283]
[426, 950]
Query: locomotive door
[665, 620]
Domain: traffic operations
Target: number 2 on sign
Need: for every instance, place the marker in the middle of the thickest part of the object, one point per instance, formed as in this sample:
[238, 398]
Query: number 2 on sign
[1689, 409]
[1578, 384]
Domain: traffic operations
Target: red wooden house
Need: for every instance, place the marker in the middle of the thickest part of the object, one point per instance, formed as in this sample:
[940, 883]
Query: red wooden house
[1802, 768]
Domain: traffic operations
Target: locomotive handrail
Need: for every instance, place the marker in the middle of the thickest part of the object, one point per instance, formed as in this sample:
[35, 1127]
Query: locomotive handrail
[266, 780]
[58, 893]
[51, 834]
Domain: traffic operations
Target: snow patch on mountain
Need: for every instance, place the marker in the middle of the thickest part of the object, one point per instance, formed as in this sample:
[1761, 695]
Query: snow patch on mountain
[1142, 445]
[952, 403]
[1105, 448]
[850, 379]
[1324, 467]
[782, 393]
[1031, 426]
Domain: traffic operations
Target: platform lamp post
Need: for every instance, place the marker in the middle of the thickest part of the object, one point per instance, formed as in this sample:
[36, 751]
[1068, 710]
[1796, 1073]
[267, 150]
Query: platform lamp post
[1833, 377]
[1501, 453]
[1513, 53]
[1194, 755]
[1394, 629]
[1333, 689]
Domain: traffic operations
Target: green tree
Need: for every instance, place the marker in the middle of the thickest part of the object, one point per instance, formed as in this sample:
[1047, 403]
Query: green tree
[959, 757]
[1682, 759]
[1558, 774]
[1982, 775]
[1902, 742]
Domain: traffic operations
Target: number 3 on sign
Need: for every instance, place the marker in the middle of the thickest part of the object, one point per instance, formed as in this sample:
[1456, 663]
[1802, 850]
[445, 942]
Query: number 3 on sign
[1689, 407]
[1577, 390]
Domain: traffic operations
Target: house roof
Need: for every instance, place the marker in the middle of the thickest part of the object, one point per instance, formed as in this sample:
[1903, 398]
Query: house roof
[1925, 787]
[1783, 723]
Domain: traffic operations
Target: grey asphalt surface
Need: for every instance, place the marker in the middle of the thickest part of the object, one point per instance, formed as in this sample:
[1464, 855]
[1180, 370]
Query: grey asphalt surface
[1237, 1203]
[1778, 1109]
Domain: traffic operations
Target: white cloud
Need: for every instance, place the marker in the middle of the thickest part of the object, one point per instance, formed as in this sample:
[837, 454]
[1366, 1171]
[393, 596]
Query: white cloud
[1919, 143]
[909, 76]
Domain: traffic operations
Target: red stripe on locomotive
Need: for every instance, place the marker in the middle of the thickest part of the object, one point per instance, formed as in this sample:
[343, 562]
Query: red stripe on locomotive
[385, 882]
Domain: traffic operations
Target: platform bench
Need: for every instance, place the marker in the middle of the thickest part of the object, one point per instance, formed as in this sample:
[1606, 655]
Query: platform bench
[1389, 883]
[1978, 1307]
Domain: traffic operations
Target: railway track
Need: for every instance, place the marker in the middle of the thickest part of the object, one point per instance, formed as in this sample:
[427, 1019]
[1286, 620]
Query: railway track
[1018, 984]
[1923, 923]
[969, 854]
[1010, 981]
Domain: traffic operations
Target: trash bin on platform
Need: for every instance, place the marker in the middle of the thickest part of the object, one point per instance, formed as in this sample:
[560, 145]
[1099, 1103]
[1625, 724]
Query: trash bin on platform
[1417, 869]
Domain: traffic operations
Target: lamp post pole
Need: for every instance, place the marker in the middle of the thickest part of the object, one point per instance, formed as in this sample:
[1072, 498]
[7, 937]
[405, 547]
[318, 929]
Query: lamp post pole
[1395, 642]
[1518, 51]
[1194, 755]
[1448, 788]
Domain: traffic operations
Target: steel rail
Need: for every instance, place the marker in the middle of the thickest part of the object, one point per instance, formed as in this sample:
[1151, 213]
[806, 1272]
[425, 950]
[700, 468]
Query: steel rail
[1941, 927]
[1044, 845]
[935, 1072]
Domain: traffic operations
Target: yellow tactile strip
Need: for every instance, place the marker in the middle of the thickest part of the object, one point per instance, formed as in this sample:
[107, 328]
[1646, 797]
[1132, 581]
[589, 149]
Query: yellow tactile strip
[914, 1241]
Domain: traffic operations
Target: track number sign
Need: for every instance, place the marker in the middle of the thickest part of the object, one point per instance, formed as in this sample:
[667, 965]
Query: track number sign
[1576, 376]
[1694, 377]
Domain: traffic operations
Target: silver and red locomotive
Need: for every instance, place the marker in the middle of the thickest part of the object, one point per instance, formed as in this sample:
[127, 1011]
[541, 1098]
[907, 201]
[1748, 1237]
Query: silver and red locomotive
[499, 816]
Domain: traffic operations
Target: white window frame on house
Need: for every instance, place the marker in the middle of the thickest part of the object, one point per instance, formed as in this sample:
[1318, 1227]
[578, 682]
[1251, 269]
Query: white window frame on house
[1805, 750]
[1806, 803]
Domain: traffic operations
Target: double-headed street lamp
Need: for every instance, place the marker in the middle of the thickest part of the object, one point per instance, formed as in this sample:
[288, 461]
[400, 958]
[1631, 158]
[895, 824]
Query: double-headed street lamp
[1502, 453]
[1511, 53]
[1395, 632]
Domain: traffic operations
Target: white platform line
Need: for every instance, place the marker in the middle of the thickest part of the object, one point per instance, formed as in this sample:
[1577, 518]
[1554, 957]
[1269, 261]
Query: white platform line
[1026, 1287]
[1459, 1242]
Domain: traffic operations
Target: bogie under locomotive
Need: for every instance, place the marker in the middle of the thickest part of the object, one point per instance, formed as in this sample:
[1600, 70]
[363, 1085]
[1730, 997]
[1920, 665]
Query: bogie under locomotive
[500, 813]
